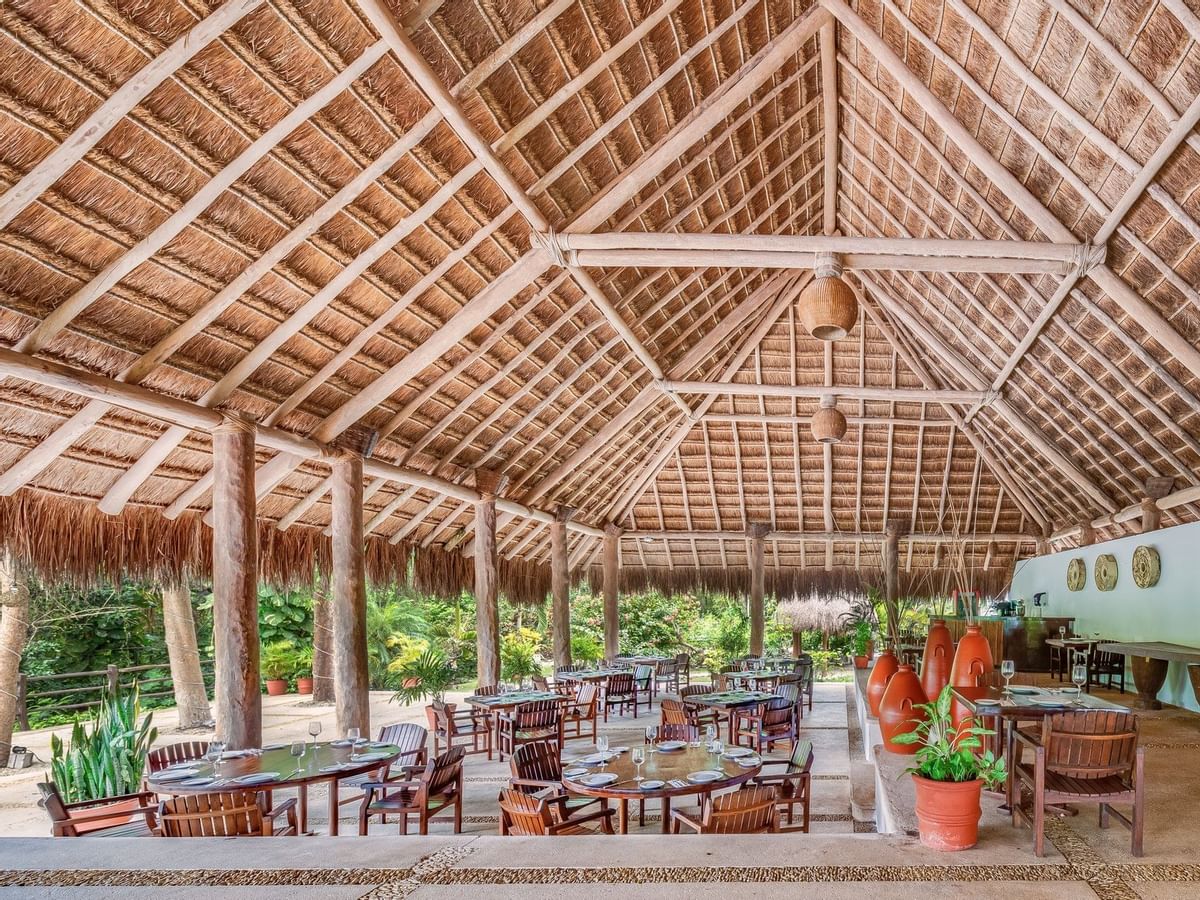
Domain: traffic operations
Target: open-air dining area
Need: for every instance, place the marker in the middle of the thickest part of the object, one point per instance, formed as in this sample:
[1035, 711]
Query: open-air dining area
[458, 447]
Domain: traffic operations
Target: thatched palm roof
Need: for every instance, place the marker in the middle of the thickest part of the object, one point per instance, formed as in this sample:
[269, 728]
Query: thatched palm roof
[258, 207]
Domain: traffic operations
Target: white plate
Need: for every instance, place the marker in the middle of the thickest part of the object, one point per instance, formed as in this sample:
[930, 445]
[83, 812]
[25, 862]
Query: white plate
[1024, 690]
[368, 757]
[197, 782]
[257, 778]
[595, 759]
[174, 774]
[344, 742]
[376, 745]
[618, 750]
[574, 773]
[236, 754]
[1048, 701]
[651, 785]
[705, 777]
[735, 752]
[1069, 691]
[598, 779]
[670, 746]
[183, 764]
[748, 762]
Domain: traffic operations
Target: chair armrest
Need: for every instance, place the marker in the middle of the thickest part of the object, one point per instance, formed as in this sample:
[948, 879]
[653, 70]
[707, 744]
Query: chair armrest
[684, 819]
[1025, 739]
[101, 814]
[286, 806]
[145, 796]
[534, 782]
[579, 820]
[385, 786]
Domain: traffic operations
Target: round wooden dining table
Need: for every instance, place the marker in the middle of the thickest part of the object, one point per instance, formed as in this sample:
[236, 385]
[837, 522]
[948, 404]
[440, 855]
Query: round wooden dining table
[322, 762]
[661, 766]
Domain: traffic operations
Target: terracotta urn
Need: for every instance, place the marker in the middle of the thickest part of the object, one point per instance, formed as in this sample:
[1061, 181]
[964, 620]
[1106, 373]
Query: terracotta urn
[939, 654]
[884, 668]
[276, 687]
[972, 660]
[948, 813]
[896, 713]
[304, 685]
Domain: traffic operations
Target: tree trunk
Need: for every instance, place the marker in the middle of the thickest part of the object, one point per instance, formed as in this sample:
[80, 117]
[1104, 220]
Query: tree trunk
[758, 542]
[14, 629]
[238, 693]
[891, 566]
[560, 590]
[322, 642]
[351, 683]
[612, 579]
[187, 681]
[487, 610]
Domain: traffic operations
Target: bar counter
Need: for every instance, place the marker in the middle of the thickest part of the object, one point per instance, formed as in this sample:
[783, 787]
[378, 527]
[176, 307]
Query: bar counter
[1019, 638]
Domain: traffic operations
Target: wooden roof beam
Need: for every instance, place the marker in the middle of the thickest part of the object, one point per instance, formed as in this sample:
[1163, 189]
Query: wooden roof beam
[829, 102]
[816, 392]
[835, 536]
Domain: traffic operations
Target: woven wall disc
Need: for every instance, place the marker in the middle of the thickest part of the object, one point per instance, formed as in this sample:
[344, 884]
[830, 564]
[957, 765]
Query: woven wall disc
[1106, 571]
[1147, 567]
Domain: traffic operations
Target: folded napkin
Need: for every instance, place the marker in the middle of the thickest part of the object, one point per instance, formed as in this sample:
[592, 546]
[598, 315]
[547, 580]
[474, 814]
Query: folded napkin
[677, 783]
[238, 754]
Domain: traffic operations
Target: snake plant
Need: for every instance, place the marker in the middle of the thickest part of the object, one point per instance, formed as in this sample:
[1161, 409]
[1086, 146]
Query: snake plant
[108, 759]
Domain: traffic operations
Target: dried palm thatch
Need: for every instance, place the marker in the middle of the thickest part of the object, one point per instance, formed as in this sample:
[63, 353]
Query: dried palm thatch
[287, 224]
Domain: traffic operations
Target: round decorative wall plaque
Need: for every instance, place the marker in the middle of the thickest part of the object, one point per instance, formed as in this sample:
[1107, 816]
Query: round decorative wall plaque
[1076, 574]
[1146, 567]
[1106, 571]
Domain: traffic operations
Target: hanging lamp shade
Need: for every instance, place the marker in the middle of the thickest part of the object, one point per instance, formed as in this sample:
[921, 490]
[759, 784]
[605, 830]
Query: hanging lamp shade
[828, 308]
[828, 424]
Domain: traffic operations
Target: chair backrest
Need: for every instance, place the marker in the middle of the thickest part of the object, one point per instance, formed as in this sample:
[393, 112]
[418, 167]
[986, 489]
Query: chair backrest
[536, 761]
[223, 814]
[692, 690]
[526, 814]
[674, 712]
[62, 823]
[570, 668]
[585, 700]
[802, 757]
[777, 714]
[789, 692]
[408, 736]
[442, 772]
[1090, 743]
[620, 683]
[667, 669]
[749, 811]
[443, 714]
[161, 757]
[683, 660]
[676, 731]
[642, 675]
[52, 802]
[488, 690]
[538, 714]
[540, 683]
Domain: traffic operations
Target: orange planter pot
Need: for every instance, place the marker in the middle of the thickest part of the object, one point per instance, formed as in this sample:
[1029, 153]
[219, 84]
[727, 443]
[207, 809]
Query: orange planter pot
[304, 685]
[948, 813]
[972, 659]
[885, 667]
[939, 655]
[276, 686]
[896, 714]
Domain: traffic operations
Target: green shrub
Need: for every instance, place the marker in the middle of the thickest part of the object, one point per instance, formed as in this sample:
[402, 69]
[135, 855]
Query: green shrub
[426, 676]
[585, 648]
[110, 759]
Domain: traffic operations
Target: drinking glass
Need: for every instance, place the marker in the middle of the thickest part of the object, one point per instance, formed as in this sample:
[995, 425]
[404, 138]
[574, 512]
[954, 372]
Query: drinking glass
[297, 750]
[602, 746]
[314, 728]
[718, 747]
[1079, 675]
[354, 736]
[710, 733]
[1062, 632]
[652, 737]
[1008, 669]
[638, 755]
[215, 748]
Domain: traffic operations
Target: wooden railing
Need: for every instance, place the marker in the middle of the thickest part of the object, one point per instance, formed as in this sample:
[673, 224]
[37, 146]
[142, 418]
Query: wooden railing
[106, 680]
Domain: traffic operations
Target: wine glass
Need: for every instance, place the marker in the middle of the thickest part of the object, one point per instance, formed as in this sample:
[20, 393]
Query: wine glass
[710, 733]
[1062, 632]
[213, 755]
[354, 736]
[1008, 669]
[638, 755]
[602, 746]
[314, 728]
[1079, 675]
[297, 749]
[652, 737]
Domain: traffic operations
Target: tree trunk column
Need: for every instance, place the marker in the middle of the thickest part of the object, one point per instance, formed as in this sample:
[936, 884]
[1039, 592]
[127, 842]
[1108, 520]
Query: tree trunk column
[187, 681]
[612, 580]
[487, 607]
[351, 684]
[14, 628]
[758, 548]
[560, 587]
[322, 642]
[891, 568]
[235, 586]
[1156, 488]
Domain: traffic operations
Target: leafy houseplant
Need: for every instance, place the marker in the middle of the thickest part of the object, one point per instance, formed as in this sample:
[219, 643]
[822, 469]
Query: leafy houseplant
[862, 644]
[302, 670]
[109, 759]
[517, 660]
[277, 663]
[428, 676]
[949, 775]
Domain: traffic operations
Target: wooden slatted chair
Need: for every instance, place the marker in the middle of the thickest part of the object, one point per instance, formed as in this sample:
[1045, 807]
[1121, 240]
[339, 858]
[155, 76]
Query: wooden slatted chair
[805, 669]
[540, 683]
[794, 782]
[538, 720]
[753, 810]
[528, 815]
[161, 757]
[683, 665]
[775, 721]
[456, 729]
[225, 814]
[581, 711]
[412, 740]
[129, 815]
[1107, 669]
[643, 680]
[1089, 756]
[700, 716]
[666, 677]
[537, 767]
[433, 793]
[620, 691]
[675, 712]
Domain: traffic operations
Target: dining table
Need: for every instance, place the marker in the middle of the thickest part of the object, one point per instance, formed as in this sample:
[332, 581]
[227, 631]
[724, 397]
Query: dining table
[666, 774]
[511, 700]
[758, 678]
[1070, 646]
[728, 701]
[1149, 660]
[274, 768]
[588, 675]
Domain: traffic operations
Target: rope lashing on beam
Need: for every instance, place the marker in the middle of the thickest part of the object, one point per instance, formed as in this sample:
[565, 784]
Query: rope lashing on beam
[1085, 257]
[554, 245]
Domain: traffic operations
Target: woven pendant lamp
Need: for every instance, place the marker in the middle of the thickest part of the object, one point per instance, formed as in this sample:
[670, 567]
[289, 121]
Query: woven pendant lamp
[828, 424]
[827, 306]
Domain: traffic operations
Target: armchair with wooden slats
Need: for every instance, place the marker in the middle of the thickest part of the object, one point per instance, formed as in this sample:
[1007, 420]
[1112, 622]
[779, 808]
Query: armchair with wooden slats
[794, 783]
[437, 790]
[750, 811]
[226, 814]
[528, 815]
[536, 767]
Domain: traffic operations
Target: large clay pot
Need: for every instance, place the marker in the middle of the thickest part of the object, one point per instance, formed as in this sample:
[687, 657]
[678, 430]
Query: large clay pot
[304, 685]
[948, 813]
[276, 687]
[939, 654]
[972, 660]
[884, 668]
[896, 714]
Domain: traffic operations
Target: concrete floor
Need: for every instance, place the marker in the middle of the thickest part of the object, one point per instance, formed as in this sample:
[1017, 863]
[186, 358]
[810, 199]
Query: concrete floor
[831, 864]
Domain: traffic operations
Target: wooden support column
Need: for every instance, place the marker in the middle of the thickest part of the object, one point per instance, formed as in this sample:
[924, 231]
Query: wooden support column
[487, 604]
[1043, 547]
[235, 586]
[1156, 488]
[757, 531]
[560, 587]
[612, 580]
[351, 683]
[187, 681]
[322, 642]
[1087, 534]
[14, 631]
[891, 569]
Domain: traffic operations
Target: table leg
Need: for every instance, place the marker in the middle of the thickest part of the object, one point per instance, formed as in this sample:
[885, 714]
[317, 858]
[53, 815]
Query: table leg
[732, 716]
[333, 807]
[622, 816]
[666, 815]
[1194, 675]
[302, 803]
[1148, 677]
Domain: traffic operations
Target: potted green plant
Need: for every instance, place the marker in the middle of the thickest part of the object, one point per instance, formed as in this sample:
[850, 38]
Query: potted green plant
[426, 677]
[949, 775]
[862, 644]
[517, 660]
[302, 670]
[277, 663]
